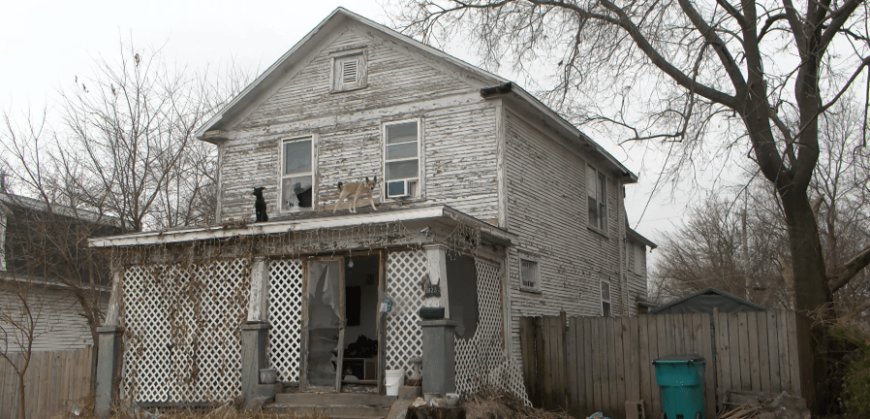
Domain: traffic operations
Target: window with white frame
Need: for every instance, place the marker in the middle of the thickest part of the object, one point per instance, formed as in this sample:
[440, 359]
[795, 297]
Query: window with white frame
[349, 71]
[297, 174]
[605, 297]
[402, 159]
[529, 275]
[596, 197]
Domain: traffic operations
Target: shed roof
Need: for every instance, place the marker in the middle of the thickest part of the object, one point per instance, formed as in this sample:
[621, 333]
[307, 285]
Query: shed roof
[705, 301]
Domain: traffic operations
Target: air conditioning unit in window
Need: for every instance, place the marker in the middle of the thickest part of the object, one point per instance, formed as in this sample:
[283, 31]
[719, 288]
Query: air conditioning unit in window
[398, 189]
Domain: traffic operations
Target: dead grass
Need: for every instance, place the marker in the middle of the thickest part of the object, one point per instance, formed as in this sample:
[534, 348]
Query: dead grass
[495, 404]
[223, 412]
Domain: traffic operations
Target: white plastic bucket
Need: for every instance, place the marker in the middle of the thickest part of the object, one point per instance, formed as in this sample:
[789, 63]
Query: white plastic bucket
[394, 380]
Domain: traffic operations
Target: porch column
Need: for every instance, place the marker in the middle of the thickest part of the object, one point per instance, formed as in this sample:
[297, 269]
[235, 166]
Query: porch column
[255, 331]
[436, 302]
[439, 360]
[109, 353]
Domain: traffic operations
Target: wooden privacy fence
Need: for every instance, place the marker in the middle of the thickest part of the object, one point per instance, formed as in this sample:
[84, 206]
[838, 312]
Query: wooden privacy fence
[588, 364]
[55, 381]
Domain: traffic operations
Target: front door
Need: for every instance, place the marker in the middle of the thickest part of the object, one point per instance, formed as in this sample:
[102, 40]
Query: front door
[323, 324]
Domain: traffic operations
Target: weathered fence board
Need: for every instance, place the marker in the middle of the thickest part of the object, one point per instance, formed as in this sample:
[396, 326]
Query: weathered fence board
[587, 364]
[54, 382]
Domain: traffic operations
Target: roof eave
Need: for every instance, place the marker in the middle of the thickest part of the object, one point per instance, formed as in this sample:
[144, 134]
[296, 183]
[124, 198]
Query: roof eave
[493, 234]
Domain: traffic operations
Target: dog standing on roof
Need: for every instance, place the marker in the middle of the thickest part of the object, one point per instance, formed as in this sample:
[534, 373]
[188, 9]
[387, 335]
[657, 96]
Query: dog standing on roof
[260, 205]
[351, 192]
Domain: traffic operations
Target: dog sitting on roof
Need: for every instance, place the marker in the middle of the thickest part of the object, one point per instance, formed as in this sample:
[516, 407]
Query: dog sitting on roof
[351, 192]
[260, 205]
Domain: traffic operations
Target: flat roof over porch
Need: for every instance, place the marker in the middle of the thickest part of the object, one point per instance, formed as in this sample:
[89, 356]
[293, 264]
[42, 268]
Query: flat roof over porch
[441, 214]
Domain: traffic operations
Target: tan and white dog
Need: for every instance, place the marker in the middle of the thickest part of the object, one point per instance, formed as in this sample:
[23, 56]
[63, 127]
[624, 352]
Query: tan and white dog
[351, 192]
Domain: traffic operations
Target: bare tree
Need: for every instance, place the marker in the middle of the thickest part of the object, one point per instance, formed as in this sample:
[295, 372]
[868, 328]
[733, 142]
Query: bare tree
[704, 68]
[131, 130]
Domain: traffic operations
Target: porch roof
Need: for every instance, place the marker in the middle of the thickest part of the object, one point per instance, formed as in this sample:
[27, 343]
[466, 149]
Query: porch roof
[435, 213]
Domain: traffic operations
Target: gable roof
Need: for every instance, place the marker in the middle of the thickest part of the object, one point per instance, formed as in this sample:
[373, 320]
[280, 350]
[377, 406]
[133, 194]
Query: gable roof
[212, 130]
[705, 301]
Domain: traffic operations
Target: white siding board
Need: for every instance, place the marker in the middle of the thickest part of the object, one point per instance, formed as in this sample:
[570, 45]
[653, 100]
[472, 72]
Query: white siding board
[60, 324]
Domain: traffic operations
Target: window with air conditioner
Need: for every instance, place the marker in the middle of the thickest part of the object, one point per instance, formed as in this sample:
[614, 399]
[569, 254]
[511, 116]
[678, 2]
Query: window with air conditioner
[402, 159]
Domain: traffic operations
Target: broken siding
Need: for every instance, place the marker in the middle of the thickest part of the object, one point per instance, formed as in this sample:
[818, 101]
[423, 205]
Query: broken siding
[396, 75]
[546, 207]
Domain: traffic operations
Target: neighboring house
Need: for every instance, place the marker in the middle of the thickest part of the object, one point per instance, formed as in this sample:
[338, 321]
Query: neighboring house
[489, 205]
[706, 301]
[37, 245]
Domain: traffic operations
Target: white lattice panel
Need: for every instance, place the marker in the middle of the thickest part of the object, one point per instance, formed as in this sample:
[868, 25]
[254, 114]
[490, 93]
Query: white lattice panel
[182, 331]
[405, 273]
[285, 316]
[482, 361]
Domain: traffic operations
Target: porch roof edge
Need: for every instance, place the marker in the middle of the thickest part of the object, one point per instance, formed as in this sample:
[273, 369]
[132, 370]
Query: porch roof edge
[278, 227]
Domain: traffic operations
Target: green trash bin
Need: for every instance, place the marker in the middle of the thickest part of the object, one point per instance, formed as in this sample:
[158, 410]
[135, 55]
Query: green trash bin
[681, 380]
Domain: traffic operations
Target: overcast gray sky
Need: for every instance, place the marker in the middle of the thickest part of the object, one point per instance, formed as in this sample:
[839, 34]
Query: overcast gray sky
[45, 44]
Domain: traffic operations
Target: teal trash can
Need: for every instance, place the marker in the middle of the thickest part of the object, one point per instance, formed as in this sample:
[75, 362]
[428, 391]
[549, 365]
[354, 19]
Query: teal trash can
[681, 380]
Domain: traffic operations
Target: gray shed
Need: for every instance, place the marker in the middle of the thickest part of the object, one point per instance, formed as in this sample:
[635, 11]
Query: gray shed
[705, 301]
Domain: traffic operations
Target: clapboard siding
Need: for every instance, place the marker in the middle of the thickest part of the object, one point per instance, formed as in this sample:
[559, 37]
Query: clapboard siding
[458, 131]
[395, 75]
[59, 322]
[546, 207]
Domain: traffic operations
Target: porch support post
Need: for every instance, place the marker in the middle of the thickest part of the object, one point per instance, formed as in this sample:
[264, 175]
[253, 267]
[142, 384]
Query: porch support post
[255, 331]
[436, 296]
[109, 354]
[439, 377]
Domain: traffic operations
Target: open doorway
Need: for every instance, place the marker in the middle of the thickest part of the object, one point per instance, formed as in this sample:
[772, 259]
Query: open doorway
[360, 361]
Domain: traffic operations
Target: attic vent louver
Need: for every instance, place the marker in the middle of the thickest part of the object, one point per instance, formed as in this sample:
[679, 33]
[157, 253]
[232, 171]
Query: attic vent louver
[349, 71]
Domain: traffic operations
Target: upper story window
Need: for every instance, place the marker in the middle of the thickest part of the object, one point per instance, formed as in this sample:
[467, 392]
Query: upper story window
[349, 71]
[596, 197]
[297, 174]
[402, 159]
[529, 275]
[605, 297]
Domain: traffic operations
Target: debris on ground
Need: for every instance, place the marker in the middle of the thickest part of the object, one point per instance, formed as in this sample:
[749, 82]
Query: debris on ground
[780, 406]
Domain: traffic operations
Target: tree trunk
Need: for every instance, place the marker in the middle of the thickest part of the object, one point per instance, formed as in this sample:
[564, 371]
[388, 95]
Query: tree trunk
[812, 294]
[21, 398]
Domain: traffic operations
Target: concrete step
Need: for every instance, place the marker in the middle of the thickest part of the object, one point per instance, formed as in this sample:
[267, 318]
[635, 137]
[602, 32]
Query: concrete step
[333, 405]
[333, 399]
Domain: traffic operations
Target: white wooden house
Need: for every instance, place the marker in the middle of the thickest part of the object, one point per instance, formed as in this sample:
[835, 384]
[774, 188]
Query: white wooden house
[41, 287]
[481, 190]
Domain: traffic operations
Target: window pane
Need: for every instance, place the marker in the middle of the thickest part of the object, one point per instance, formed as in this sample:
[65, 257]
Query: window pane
[605, 309]
[401, 151]
[605, 291]
[593, 212]
[529, 273]
[401, 133]
[297, 157]
[602, 188]
[402, 169]
[296, 192]
[397, 189]
[591, 183]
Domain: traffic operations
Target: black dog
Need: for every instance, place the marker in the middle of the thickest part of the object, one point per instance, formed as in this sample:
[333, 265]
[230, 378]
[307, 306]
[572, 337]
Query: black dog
[260, 205]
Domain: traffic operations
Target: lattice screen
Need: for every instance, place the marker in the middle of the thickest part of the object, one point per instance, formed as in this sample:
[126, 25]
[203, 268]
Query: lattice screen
[482, 361]
[285, 316]
[181, 331]
[405, 271]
